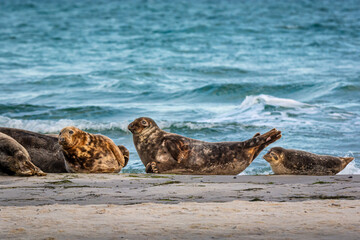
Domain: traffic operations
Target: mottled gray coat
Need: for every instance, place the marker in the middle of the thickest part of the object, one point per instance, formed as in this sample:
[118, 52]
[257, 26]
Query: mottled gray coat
[297, 162]
[14, 159]
[164, 152]
[91, 153]
[44, 150]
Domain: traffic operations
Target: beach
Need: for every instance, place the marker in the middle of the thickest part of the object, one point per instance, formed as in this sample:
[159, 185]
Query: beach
[147, 206]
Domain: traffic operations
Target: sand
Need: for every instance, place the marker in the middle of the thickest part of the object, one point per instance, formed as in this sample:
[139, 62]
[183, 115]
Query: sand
[145, 206]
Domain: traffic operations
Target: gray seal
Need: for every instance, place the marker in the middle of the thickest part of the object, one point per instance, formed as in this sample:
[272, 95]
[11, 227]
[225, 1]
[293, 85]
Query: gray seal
[91, 153]
[297, 162]
[44, 150]
[164, 152]
[14, 159]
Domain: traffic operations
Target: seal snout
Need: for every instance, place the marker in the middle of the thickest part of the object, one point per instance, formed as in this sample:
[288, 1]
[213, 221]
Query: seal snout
[131, 127]
[62, 140]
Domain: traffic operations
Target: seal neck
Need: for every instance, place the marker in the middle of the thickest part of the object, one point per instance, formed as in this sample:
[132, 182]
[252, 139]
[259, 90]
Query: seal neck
[147, 132]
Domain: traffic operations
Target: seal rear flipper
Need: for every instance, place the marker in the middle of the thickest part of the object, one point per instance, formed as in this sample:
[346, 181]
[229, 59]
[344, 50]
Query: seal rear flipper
[259, 142]
[347, 160]
[125, 153]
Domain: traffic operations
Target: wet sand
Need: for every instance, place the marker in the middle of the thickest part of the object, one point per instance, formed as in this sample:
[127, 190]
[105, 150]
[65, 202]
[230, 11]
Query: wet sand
[145, 206]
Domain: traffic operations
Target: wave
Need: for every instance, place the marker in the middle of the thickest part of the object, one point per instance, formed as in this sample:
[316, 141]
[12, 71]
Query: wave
[50, 126]
[263, 108]
[273, 101]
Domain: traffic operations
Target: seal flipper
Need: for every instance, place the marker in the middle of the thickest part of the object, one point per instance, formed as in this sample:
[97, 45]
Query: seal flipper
[151, 168]
[177, 149]
[256, 135]
[347, 160]
[259, 142]
[125, 153]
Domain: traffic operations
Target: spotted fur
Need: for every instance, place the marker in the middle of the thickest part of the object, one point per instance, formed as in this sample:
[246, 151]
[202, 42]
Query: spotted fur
[297, 162]
[44, 150]
[91, 153]
[164, 152]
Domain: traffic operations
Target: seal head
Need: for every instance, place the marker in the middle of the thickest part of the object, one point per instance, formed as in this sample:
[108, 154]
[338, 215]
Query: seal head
[70, 137]
[274, 155]
[142, 126]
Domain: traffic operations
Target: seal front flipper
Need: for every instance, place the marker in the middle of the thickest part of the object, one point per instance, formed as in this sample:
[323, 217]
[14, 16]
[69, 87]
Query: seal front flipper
[125, 153]
[177, 148]
[151, 168]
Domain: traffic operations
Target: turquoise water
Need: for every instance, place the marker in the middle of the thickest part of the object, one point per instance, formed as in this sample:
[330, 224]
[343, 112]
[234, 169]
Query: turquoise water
[210, 70]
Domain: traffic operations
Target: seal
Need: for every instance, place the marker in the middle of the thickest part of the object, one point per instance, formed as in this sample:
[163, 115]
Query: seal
[44, 151]
[91, 153]
[297, 162]
[14, 159]
[164, 152]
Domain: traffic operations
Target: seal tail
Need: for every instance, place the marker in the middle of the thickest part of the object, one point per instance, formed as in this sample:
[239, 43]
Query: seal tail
[125, 153]
[259, 142]
[347, 160]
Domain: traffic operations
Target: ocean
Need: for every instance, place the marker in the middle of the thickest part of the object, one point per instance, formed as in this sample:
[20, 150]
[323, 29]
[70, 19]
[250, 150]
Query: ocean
[209, 70]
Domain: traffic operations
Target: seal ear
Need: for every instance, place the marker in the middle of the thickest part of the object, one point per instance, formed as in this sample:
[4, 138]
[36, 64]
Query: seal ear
[177, 149]
[125, 153]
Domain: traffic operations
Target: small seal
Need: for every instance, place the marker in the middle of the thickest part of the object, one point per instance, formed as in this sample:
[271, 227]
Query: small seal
[44, 150]
[296, 162]
[164, 152]
[14, 159]
[91, 153]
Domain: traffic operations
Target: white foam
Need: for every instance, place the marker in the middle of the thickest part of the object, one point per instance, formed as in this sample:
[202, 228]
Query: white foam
[250, 101]
[252, 109]
[50, 126]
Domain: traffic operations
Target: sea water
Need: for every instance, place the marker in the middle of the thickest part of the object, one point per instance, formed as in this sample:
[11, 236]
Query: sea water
[210, 70]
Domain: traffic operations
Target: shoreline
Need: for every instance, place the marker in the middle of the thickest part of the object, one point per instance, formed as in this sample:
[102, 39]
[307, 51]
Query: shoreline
[147, 206]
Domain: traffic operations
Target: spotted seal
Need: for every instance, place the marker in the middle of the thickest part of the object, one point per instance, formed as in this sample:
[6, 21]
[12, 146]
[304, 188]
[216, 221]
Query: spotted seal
[91, 153]
[44, 150]
[164, 152]
[14, 159]
[297, 162]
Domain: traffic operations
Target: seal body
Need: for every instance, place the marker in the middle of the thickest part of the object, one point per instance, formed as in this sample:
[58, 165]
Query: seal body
[44, 150]
[164, 152]
[14, 159]
[297, 162]
[91, 153]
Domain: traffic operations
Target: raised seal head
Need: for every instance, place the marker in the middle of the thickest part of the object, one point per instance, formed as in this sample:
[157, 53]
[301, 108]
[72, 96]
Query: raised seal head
[70, 137]
[142, 126]
[275, 155]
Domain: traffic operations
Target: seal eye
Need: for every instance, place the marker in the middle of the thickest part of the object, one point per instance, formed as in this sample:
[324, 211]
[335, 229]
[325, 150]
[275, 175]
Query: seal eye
[71, 132]
[144, 123]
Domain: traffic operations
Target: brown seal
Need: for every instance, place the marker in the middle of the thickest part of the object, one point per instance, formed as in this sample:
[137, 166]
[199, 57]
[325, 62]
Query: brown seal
[91, 153]
[296, 162]
[14, 159]
[164, 152]
[44, 150]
